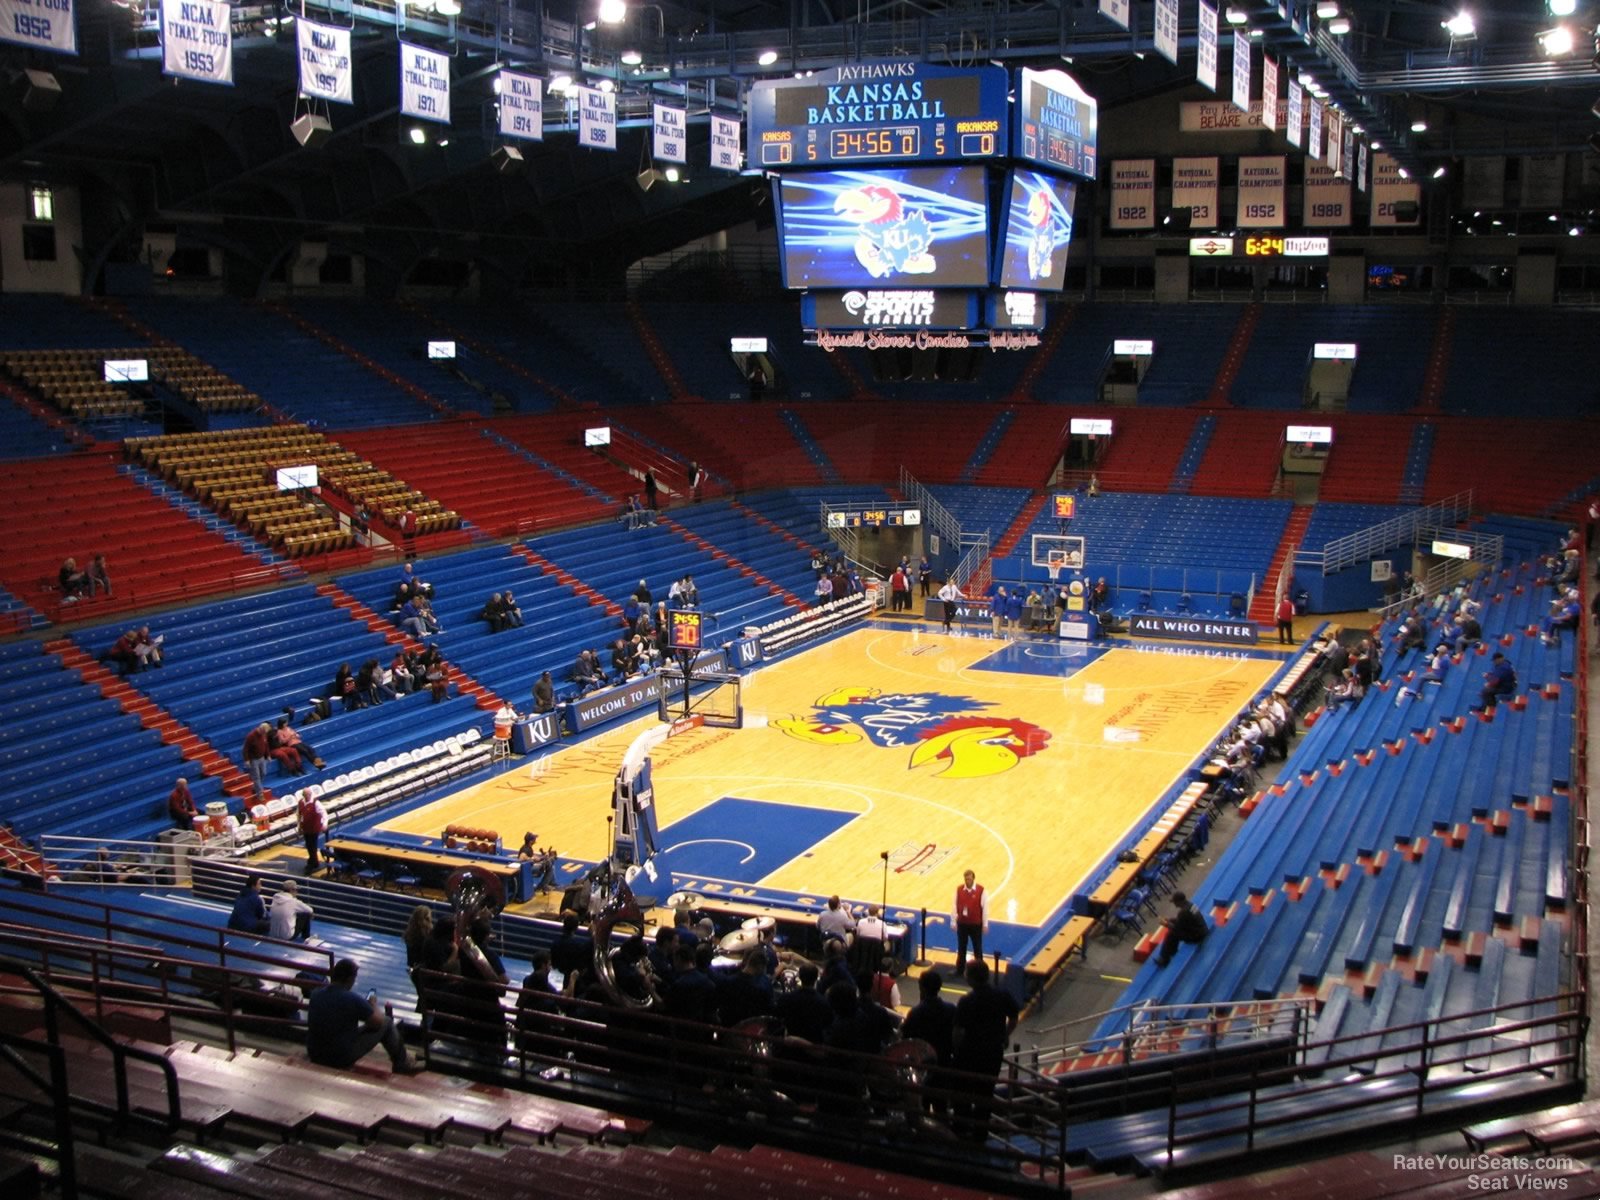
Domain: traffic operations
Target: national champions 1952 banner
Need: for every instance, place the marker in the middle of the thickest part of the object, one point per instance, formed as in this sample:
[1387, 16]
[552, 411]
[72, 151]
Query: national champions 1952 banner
[1261, 192]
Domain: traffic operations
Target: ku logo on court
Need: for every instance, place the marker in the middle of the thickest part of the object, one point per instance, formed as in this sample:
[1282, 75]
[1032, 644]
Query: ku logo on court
[945, 730]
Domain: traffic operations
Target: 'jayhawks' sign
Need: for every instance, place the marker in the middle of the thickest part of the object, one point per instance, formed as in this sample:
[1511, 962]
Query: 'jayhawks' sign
[946, 730]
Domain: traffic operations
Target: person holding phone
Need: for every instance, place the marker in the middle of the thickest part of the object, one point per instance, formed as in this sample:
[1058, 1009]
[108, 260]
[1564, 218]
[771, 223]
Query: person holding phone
[342, 1027]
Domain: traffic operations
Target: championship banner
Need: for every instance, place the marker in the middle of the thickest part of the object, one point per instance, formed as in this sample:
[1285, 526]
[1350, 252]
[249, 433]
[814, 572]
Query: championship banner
[424, 84]
[1543, 180]
[1348, 159]
[521, 106]
[1335, 134]
[42, 24]
[1205, 65]
[1133, 193]
[1166, 32]
[1116, 11]
[1194, 186]
[597, 118]
[1314, 137]
[1483, 181]
[1361, 169]
[1295, 115]
[725, 144]
[197, 40]
[1390, 188]
[325, 63]
[669, 133]
[1269, 92]
[1241, 71]
[1261, 192]
[1327, 198]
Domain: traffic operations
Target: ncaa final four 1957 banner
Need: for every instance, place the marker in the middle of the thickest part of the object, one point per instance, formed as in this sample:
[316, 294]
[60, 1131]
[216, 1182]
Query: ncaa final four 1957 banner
[42, 24]
[325, 64]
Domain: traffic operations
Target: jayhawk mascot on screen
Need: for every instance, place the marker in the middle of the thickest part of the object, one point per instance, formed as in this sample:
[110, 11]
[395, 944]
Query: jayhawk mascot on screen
[1041, 239]
[892, 239]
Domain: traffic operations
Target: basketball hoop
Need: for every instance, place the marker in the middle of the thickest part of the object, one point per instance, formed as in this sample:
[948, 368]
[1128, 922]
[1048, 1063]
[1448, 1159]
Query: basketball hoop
[1055, 561]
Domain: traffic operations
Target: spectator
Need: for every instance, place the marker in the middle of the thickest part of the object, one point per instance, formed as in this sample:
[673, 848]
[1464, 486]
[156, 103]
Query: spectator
[899, 590]
[835, 967]
[369, 684]
[180, 805]
[513, 611]
[749, 993]
[408, 533]
[1499, 680]
[689, 596]
[1565, 612]
[835, 922]
[697, 480]
[312, 820]
[1349, 690]
[98, 576]
[343, 688]
[1468, 631]
[642, 594]
[74, 583]
[572, 952]
[1412, 635]
[290, 917]
[997, 611]
[438, 675]
[622, 663]
[924, 576]
[249, 913]
[933, 1020]
[824, 596]
[884, 989]
[1438, 666]
[804, 1010]
[984, 1020]
[1284, 612]
[651, 491]
[341, 1027]
[586, 673]
[419, 928]
[148, 650]
[417, 619]
[494, 612]
[544, 694]
[1185, 926]
[284, 738]
[1099, 596]
[122, 653]
[257, 749]
[398, 675]
[539, 1000]
[950, 596]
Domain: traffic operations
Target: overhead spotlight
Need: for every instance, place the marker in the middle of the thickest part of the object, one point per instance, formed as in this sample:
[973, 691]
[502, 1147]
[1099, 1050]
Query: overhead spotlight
[447, 8]
[605, 85]
[418, 136]
[506, 158]
[1339, 26]
[1460, 25]
[1255, 33]
[1377, 145]
[1575, 231]
[1404, 174]
[612, 12]
[1419, 126]
[673, 175]
[1305, 79]
[1327, 10]
[1557, 41]
[495, 84]
[443, 142]
[1236, 16]
[40, 90]
[768, 57]
[1554, 217]
[1438, 172]
[631, 58]
[311, 130]
[1563, 8]
[560, 83]
[1356, 129]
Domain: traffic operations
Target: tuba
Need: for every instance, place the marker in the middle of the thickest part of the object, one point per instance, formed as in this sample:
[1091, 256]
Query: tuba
[613, 908]
[473, 891]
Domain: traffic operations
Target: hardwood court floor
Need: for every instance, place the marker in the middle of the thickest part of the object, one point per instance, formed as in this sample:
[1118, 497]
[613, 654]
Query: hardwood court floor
[1026, 769]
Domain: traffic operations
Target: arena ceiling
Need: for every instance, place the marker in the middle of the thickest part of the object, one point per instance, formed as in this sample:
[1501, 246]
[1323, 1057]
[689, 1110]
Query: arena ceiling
[222, 159]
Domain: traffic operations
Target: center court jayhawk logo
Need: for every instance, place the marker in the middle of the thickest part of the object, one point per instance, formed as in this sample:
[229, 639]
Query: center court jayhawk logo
[944, 730]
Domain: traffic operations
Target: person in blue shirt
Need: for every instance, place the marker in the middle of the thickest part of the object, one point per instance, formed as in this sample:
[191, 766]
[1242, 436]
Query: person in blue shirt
[1499, 680]
[1015, 603]
[341, 1026]
[249, 909]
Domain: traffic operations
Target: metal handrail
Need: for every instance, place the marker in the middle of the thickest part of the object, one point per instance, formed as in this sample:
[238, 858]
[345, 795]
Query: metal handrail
[1400, 530]
[933, 512]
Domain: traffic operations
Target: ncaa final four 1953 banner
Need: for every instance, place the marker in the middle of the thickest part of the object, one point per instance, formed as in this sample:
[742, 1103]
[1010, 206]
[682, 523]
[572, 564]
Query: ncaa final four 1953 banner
[325, 64]
[42, 24]
[197, 40]
[521, 106]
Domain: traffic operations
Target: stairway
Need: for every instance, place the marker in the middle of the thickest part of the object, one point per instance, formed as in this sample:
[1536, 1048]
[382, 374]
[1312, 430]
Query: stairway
[224, 528]
[1417, 460]
[1233, 359]
[722, 556]
[543, 464]
[1193, 453]
[566, 579]
[813, 449]
[987, 445]
[1054, 332]
[151, 715]
[662, 361]
[465, 684]
[847, 371]
[773, 527]
[1261, 608]
[1433, 381]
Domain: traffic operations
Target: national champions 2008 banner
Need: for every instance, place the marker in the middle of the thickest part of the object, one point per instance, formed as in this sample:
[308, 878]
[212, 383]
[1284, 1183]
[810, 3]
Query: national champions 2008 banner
[1390, 188]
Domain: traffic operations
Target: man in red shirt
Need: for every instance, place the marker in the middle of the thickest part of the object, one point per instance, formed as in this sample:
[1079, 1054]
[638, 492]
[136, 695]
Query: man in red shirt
[1285, 615]
[180, 805]
[313, 824]
[972, 918]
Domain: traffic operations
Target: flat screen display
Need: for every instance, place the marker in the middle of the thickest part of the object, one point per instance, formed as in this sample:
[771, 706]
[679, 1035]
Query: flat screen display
[293, 478]
[600, 435]
[127, 370]
[441, 349]
[747, 345]
[1317, 435]
[1038, 228]
[903, 227]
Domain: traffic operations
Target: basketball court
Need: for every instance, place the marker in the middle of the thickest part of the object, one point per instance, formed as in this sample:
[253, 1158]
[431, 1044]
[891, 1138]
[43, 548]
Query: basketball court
[1026, 761]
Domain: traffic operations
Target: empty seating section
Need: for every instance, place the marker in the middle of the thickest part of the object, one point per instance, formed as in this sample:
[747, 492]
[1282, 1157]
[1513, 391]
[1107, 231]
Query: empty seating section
[81, 507]
[933, 442]
[977, 509]
[1274, 371]
[74, 762]
[696, 338]
[1332, 521]
[750, 445]
[293, 371]
[1403, 833]
[556, 621]
[1074, 372]
[557, 438]
[234, 473]
[396, 338]
[1367, 463]
[40, 321]
[755, 545]
[24, 435]
[1553, 363]
[1511, 466]
[1144, 450]
[495, 488]
[233, 664]
[1243, 456]
[1392, 342]
[798, 511]
[1027, 450]
[610, 363]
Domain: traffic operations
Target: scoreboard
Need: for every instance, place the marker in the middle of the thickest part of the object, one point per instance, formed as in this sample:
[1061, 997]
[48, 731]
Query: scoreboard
[880, 113]
[1057, 123]
[683, 628]
[873, 518]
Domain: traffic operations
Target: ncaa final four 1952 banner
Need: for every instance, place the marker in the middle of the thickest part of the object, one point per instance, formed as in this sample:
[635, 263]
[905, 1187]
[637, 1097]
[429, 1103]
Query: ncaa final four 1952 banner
[521, 106]
[325, 71]
[1261, 192]
[424, 84]
[42, 24]
[197, 40]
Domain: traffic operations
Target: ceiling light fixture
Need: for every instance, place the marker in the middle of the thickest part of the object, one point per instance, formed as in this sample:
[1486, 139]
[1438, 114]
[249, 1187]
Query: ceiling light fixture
[631, 58]
[1327, 10]
[1339, 26]
[768, 57]
[418, 136]
[560, 83]
[1563, 8]
[1236, 16]
[605, 85]
[672, 174]
[1460, 25]
[447, 8]
[1438, 172]
[612, 12]
[1557, 41]
[1419, 126]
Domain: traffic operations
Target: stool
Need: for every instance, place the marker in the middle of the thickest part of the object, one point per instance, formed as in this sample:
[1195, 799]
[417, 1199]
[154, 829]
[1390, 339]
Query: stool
[502, 743]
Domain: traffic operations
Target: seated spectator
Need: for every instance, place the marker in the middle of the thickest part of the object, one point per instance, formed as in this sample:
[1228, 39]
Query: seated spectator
[414, 583]
[249, 913]
[343, 688]
[544, 694]
[285, 735]
[586, 672]
[438, 675]
[289, 919]
[494, 612]
[286, 756]
[341, 1026]
[933, 1020]
[98, 575]
[539, 1000]
[1184, 926]
[621, 661]
[1565, 612]
[417, 619]
[1438, 666]
[148, 650]
[804, 1011]
[180, 805]
[884, 990]
[645, 655]
[835, 922]
[398, 676]
[1349, 690]
[1412, 634]
[835, 967]
[513, 611]
[572, 953]
[369, 684]
[1499, 680]
[74, 583]
[122, 653]
[642, 594]
[1468, 631]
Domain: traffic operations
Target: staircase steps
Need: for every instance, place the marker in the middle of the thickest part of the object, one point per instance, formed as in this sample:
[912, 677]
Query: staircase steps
[1233, 359]
[1261, 608]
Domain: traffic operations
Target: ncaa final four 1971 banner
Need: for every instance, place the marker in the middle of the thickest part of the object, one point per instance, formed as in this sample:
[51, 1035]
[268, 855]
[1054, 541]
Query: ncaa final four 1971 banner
[42, 24]
[424, 84]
